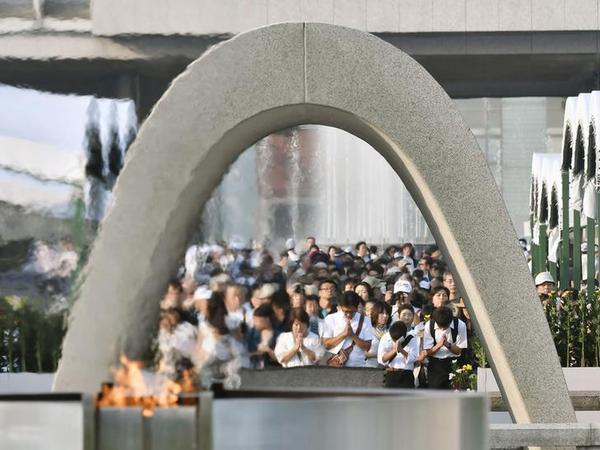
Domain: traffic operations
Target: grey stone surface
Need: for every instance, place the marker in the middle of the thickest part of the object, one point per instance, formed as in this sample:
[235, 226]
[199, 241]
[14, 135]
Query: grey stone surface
[312, 377]
[285, 75]
[545, 435]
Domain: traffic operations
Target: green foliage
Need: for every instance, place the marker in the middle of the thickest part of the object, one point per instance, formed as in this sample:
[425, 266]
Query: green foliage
[30, 339]
[463, 377]
[574, 322]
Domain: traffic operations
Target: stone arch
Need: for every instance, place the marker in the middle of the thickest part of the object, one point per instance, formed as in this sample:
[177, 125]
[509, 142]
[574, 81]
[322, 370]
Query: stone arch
[280, 76]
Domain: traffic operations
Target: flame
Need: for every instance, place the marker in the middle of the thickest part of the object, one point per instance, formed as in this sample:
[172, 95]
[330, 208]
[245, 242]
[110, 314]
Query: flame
[130, 388]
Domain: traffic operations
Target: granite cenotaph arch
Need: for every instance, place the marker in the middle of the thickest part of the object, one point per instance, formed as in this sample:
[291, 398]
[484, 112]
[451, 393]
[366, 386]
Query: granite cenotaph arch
[280, 76]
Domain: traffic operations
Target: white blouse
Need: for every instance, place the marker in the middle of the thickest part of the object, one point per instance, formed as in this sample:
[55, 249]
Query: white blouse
[286, 342]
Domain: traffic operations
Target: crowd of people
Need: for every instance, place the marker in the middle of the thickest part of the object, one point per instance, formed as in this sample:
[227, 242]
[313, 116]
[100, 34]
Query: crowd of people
[233, 307]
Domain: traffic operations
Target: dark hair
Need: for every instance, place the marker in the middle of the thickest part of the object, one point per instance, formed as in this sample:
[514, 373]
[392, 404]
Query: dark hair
[327, 280]
[378, 308]
[442, 316]
[397, 330]
[298, 314]
[405, 306]
[426, 311]
[310, 237]
[418, 273]
[265, 311]
[349, 299]
[359, 243]
[427, 259]
[176, 284]
[311, 298]
[367, 286]
[216, 313]
[298, 289]
[412, 249]
[418, 297]
[437, 289]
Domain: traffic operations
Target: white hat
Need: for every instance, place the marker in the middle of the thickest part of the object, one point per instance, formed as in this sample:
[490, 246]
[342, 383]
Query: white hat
[203, 292]
[267, 290]
[425, 284]
[290, 244]
[402, 286]
[543, 277]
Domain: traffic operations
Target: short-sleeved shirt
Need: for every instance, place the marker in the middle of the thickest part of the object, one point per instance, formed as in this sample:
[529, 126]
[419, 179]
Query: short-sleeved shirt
[443, 353]
[336, 323]
[399, 361]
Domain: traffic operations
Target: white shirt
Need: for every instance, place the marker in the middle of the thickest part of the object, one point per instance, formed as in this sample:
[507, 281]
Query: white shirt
[443, 353]
[285, 343]
[336, 323]
[398, 361]
[372, 361]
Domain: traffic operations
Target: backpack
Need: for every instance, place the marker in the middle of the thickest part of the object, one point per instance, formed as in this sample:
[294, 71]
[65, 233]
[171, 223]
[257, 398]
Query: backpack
[453, 330]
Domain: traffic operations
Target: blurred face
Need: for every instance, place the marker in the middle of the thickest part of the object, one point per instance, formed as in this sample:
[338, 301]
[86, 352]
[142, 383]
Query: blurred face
[349, 286]
[401, 298]
[201, 305]
[299, 328]
[233, 298]
[311, 308]
[388, 296]
[261, 323]
[297, 300]
[362, 250]
[440, 299]
[171, 300]
[545, 288]
[407, 316]
[256, 301]
[362, 292]
[349, 312]
[309, 243]
[406, 250]
[368, 309]
[450, 284]
[423, 265]
[382, 318]
[332, 252]
[189, 285]
[327, 291]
